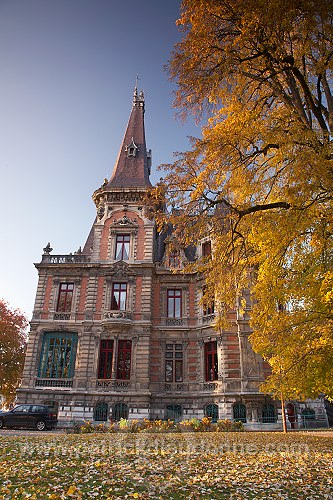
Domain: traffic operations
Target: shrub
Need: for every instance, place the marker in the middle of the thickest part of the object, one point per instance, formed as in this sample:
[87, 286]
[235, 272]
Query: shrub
[125, 425]
[229, 426]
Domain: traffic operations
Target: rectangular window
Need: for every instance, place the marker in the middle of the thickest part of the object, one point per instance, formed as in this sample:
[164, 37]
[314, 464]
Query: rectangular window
[119, 293]
[105, 359]
[211, 366]
[206, 249]
[174, 363]
[65, 297]
[122, 246]
[58, 355]
[208, 304]
[174, 303]
[124, 359]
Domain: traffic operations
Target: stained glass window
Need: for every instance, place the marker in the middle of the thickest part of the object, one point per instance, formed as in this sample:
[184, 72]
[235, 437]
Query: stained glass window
[58, 355]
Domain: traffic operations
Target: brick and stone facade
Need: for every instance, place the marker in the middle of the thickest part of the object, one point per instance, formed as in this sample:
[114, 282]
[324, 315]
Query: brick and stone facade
[116, 333]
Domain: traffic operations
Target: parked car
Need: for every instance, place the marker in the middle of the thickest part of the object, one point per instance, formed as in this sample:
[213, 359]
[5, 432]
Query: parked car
[39, 417]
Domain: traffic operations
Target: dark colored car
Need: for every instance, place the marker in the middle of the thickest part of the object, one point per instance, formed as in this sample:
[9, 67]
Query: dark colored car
[39, 417]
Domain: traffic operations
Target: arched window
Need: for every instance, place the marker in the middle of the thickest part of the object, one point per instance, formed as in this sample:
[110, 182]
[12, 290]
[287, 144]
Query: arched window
[101, 412]
[120, 410]
[212, 411]
[239, 412]
[173, 412]
[268, 414]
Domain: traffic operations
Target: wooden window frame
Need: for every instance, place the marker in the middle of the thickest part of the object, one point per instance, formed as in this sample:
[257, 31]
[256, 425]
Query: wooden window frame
[105, 365]
[174, 363]
[124, 359]
[211, 361]
[174, 297]
[119, 297]
[65, 297]
[122, 246]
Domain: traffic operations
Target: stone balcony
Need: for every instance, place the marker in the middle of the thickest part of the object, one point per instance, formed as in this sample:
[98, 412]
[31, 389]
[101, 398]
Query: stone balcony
[174, 322]
[116, 317]
[54, 382]
[65, 259]
[207, 319]
[212, 386]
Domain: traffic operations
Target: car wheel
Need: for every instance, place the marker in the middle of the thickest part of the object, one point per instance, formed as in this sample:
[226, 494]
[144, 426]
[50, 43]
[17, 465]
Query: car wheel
[40, 425]
[2, 423]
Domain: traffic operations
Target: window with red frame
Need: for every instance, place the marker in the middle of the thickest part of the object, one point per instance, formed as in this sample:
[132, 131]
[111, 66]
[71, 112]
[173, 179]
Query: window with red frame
[65, 297]
[105, 359]
[211, 366]
[119, 294]
[124, 359]
[174, 303]
[206, 249]
[122, 246]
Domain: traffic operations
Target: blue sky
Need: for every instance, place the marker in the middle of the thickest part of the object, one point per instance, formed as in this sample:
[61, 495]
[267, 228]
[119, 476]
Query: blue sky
[68, 70]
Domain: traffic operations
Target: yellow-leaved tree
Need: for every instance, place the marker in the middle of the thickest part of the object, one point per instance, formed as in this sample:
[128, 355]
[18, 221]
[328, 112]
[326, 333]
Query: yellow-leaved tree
[260, 179]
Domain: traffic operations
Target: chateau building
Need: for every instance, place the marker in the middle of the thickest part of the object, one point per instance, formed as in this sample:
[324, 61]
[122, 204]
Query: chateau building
[116, 333]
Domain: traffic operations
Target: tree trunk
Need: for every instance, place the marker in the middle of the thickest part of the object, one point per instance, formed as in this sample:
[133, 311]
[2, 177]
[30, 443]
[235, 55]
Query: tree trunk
[284, 420]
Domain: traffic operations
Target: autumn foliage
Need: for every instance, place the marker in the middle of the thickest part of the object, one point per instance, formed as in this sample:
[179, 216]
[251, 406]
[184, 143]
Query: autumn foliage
[12, 349]
[259, 181]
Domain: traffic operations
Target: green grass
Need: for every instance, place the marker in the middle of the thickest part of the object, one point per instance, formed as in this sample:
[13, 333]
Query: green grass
[167, 466]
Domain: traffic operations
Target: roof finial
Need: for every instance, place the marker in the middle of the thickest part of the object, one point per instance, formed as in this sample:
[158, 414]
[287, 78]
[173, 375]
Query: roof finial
[138, 99]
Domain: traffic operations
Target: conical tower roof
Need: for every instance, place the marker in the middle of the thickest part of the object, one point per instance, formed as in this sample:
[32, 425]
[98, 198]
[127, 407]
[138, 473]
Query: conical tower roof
[132, 167]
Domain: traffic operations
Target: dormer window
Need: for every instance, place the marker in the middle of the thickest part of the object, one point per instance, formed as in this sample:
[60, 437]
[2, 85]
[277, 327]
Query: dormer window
[132, 148]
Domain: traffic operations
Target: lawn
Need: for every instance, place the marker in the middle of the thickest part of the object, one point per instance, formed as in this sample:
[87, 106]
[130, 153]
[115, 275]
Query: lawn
[167, 466]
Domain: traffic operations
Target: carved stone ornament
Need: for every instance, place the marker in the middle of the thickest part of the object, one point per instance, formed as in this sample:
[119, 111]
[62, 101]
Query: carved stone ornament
[125, 221]
[125, 197]
[100, 212]
[121, 270]
[47, 250]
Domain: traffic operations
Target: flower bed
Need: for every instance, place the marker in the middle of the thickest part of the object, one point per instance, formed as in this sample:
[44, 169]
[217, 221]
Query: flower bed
[124, 425]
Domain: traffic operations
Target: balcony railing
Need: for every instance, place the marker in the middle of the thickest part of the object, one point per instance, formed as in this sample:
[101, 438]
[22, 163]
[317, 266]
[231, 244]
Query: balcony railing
[212, 386]
[112, 385]
[53, 382]
[208, 318]
[174, 387]
[174, 321]
[115, 315]
[65, 259]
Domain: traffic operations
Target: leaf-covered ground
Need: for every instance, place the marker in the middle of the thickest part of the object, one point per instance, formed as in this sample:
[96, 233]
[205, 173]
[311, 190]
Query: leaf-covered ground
[166, 466]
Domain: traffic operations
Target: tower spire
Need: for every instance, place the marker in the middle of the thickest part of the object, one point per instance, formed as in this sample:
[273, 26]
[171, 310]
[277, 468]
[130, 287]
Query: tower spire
[132, 167]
